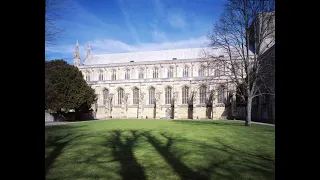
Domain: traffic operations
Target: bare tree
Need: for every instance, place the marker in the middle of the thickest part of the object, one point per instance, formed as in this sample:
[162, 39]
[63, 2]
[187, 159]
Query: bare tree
[55, 9]
[244, 32]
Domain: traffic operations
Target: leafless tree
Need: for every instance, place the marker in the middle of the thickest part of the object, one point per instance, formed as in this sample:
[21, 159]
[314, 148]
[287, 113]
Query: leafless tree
[244, 32]
[55, 9]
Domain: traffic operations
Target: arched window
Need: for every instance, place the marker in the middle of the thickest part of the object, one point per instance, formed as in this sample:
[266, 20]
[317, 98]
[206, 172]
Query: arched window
[202, 71]
[113, 74]
[221, 94]
[100, 75]
[185, 95]
[105, 96]
[217, 73]
[168, 95]
[88, 76]
[186, 71]
[170, 72]
[155, 72]
[151, 95]
[203, 92]
[135, 95]
[141, 73]
[120, 95]
[127, 74]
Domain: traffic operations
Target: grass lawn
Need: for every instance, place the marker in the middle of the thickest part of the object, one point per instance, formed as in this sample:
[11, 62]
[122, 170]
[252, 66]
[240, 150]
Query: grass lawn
[159, 149]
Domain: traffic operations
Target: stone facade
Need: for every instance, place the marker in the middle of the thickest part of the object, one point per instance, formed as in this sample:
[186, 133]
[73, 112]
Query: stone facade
[177, 85]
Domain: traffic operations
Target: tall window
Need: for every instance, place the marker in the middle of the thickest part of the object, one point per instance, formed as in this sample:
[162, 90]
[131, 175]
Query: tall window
[127, 74]
[105, 96]
[168, 95]
[202, 71]
[100, 75]
[151, 95]
[88, 76]
[217, 73]
[203, 92]
[120, 95]
[221, 94]
[113, 74]
[155, 72]
[141, 73]
[170, 72]
[135, 96]
[186, 71]
[185, 95]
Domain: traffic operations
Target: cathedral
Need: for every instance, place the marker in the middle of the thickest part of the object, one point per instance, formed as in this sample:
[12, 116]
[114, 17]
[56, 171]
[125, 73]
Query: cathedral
[165, 84]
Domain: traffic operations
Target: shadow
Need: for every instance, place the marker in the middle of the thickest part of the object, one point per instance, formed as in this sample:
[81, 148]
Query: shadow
[154, 111]
[209, 111]
[58, 143]
[123, 152]
[190, 111]
[174, 161]
[234, 164]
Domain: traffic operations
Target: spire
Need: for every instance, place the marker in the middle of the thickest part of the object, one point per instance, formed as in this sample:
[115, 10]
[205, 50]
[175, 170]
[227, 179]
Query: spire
[88, 50]
[76, 57]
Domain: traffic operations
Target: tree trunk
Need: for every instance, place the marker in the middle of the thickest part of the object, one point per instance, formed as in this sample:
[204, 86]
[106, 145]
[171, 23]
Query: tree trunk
[249, 106]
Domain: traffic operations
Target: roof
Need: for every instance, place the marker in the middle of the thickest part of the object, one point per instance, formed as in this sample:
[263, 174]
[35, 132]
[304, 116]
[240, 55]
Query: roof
[185, 54]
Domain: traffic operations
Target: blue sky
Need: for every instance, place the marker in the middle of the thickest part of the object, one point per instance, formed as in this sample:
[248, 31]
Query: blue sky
[116, 26]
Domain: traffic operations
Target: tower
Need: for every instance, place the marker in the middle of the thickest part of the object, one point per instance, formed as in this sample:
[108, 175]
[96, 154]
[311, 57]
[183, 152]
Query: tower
[88, 50]
[76, 57]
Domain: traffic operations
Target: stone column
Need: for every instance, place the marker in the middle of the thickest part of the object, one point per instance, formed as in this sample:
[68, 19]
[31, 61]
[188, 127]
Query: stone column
[192, 69]
[213, 103]
[194, 102]
[176, 70]
[141, 105]
[175, 98]
[158, 105]
[110, 104]
[234, 105]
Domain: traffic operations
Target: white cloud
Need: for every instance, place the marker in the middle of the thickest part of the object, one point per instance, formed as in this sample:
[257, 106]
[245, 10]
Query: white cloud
[114, 46]
[158, 36]
[177, 20]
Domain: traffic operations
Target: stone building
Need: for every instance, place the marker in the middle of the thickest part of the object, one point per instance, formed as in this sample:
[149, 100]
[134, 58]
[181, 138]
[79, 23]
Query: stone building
[174, 84]
[177, 84]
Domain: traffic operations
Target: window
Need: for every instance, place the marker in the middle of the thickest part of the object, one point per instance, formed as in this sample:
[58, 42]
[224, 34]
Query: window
[105, 94]
[170, 72]
[203, 92]
[120, 95]
[185, 71]
[155, 72]
[185, 95]
[221, 94]
[88, 76]
[217, 73]
[135, 96]
[202, 71]
[151, 95]
[114, 75]
[141, 73]
[168, 95]
[100, 75]
[127, 74]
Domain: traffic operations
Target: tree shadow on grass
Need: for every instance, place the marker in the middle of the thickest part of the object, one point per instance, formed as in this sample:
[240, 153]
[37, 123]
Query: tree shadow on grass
[232, 166]
[123, 152]
[58, 143]
[57, 138]
[175, 161]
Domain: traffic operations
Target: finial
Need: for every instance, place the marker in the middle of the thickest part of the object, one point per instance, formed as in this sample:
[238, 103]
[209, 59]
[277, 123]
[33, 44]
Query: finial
[88, 49]
[77, 43]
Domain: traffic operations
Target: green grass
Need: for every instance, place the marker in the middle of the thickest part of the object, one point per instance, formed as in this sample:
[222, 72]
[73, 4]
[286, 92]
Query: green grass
[159, 149]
